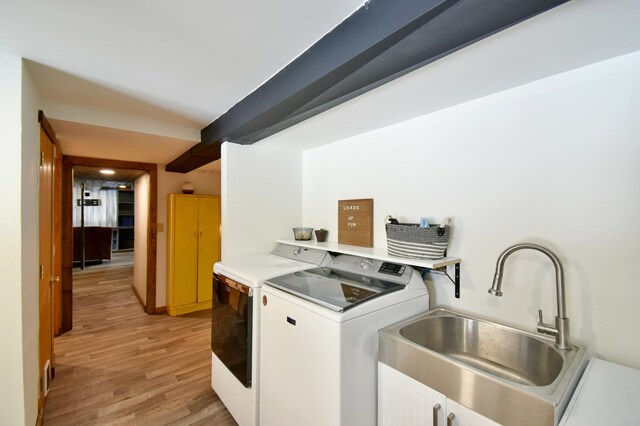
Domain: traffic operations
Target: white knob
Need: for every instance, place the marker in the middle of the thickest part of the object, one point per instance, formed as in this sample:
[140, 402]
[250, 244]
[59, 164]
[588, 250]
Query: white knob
[365, 264]
[297, 251]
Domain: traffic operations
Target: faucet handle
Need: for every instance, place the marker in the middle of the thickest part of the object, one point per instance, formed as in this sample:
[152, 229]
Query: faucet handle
[545, 328]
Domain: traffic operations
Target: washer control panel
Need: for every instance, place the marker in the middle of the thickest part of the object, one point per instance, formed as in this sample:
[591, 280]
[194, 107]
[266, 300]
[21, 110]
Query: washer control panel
[373, 268]
[392, 269]
[302, 254]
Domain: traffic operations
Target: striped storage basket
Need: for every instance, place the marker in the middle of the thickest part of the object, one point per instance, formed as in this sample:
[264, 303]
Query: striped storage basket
[409, 240]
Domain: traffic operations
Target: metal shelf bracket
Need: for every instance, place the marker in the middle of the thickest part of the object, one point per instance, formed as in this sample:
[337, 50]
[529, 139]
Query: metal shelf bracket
[455, 280]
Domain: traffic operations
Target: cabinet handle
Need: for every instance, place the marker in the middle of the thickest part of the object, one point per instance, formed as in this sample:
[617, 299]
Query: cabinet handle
[436, 408]
[450, 418]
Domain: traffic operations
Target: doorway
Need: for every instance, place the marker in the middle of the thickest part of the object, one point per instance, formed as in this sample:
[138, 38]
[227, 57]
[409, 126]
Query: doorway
[121, 233]
[104, 216]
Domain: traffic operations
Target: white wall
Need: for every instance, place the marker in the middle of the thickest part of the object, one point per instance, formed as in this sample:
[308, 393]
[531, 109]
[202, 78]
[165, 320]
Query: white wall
[30, 245]
[529, 135]
[171, 183]
[261, 197]
[548, 158]
[558, 40]
[141, 214]
[553, 162]
[18, 244]
[11, 357]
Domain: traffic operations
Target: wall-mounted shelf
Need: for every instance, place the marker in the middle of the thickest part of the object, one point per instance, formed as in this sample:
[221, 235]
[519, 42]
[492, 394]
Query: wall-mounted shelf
[380, 253]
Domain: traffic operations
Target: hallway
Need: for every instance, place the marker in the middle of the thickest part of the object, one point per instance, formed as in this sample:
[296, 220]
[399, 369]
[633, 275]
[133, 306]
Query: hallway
[121, 366]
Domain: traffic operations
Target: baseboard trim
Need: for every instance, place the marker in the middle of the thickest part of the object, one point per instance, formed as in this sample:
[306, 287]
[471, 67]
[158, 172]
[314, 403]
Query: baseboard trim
[161, 310]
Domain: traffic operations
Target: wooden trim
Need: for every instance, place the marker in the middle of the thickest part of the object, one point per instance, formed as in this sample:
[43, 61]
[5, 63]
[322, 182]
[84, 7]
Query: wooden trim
[152, 241]
[116, 164]
[57, 239]
[46, 126]
[161, 310]
[68, 162]
[66, 305]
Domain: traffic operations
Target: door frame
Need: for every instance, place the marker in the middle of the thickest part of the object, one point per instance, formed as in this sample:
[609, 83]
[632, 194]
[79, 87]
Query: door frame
[68, 162]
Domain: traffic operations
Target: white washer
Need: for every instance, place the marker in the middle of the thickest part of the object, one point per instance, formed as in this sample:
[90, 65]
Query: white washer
[319, 339]
[235, 329]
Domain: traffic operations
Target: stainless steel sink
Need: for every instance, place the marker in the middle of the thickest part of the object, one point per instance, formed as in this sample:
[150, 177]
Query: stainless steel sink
[495, 350]
[508, 375]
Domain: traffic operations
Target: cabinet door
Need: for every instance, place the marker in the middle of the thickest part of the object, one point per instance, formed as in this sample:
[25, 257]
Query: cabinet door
[462, 416]
[208, 244]
[403, 401]
[185, 250]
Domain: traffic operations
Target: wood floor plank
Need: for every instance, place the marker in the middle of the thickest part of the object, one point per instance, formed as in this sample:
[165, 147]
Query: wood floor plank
[121, 366]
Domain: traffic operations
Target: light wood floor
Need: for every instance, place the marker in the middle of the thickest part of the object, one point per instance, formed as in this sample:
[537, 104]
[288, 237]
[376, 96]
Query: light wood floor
[118, 259]
[121, 366]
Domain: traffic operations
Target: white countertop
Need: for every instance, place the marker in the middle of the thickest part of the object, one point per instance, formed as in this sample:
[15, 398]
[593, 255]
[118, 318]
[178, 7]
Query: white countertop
[253, 269]
[608, 394]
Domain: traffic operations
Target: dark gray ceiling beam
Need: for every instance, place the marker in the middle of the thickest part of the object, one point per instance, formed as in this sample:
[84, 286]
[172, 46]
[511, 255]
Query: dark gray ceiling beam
[381, 41]
[367, 33]
[196, 156]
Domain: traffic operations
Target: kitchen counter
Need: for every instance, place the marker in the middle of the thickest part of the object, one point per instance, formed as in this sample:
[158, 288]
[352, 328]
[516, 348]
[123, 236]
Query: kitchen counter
[607, 394]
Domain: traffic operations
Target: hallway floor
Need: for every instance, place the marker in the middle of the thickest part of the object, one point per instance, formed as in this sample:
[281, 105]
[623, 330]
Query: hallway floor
[121, 366]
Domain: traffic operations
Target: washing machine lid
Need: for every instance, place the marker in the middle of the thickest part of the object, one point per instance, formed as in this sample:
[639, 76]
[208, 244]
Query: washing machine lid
[336, 290]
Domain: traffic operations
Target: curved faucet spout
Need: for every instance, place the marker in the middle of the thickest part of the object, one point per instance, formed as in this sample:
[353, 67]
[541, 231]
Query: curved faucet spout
[561, 328]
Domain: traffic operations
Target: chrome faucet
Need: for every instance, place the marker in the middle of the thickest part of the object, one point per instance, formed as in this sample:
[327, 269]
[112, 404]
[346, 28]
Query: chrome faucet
[561, 328]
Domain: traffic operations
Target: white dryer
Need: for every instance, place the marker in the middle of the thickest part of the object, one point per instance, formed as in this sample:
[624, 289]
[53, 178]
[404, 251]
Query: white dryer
[319, 339]
[235, 323]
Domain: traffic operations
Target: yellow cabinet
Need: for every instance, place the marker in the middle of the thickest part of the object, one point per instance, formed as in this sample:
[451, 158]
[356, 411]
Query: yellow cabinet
[193, 246]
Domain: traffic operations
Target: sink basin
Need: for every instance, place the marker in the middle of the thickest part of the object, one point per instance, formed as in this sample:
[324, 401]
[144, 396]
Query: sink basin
[508, 375]
[496, 350]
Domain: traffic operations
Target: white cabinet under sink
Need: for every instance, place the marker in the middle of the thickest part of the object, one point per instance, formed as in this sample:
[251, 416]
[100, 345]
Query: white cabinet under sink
[407, 402]
[463, 416]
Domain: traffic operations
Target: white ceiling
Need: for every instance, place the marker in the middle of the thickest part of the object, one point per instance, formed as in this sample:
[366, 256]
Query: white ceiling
[85, 140]
[159, 67]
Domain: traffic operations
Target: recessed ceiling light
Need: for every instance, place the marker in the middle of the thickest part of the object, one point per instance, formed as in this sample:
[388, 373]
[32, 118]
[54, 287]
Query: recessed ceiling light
[122, 186]
[107, 172]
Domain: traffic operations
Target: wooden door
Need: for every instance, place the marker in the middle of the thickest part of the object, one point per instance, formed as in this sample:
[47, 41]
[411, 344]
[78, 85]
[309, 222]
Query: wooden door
[57, 240]
[46, 277]
[208, 244]
[185, 250]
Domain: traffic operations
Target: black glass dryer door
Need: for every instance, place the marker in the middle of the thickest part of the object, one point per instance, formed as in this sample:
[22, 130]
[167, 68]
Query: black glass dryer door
[231, 326]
